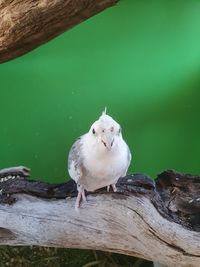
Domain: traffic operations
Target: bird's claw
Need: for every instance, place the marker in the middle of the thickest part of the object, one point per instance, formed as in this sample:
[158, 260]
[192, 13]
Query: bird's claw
[113, 187]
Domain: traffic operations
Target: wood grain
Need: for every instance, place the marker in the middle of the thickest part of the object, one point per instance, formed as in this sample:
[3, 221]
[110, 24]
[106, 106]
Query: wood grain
[143, 219]
[27, 24]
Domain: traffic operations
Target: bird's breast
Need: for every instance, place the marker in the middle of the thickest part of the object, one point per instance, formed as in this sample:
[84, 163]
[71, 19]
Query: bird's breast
[103, 170]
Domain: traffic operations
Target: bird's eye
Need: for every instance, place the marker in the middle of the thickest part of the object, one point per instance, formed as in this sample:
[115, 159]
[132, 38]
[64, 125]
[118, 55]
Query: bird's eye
[93, 131]
[112, 129]
[119, 131]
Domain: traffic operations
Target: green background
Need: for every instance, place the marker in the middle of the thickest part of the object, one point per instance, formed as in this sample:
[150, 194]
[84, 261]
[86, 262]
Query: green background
[141, 59]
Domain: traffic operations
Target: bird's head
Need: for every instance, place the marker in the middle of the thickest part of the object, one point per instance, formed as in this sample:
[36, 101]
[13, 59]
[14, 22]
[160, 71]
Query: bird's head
[105, 132]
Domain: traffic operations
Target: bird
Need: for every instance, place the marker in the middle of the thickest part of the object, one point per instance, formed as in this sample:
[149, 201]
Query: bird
[98, 158]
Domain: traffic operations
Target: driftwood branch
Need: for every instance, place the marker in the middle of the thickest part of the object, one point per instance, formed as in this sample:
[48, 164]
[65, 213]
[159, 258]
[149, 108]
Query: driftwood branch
[157, 221]
[24, 25]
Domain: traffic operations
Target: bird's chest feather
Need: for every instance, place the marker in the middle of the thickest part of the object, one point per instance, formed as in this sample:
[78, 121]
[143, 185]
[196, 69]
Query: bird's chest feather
[102, 168]
[105, 165]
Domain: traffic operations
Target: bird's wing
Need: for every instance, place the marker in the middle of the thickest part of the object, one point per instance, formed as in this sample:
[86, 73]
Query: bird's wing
[129, 157]
[75, 160]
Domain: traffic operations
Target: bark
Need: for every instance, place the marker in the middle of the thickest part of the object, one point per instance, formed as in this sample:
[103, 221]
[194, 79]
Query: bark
[156, 221]
[27, 24]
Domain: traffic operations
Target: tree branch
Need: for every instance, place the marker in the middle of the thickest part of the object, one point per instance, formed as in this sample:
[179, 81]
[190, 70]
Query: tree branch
[158, 222]
[27, 24]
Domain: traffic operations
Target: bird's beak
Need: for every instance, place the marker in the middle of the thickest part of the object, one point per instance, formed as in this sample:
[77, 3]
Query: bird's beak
[107, 140]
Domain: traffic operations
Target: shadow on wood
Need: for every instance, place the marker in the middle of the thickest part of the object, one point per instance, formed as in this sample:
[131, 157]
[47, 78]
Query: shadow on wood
[157, 221]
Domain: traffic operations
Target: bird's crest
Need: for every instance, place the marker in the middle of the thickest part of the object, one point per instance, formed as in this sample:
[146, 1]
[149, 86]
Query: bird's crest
[104, 112]
[105, 119]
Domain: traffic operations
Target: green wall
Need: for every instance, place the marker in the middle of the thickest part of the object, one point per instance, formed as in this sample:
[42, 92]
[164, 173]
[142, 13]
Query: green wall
[141, 59]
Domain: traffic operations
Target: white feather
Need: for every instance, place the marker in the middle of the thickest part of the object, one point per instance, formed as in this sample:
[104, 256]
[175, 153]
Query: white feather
[100, 157]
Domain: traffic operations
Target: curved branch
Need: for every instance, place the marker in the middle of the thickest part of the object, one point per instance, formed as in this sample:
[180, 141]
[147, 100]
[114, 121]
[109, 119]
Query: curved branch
[158, 222]
[27, 24]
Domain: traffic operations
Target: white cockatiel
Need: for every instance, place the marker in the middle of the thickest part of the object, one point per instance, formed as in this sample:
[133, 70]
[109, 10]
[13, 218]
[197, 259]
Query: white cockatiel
[99, 158]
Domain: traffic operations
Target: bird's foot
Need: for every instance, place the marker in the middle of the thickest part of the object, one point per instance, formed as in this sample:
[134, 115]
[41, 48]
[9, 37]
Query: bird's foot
[78, 200]
[83, 195]
[80, 196]
[113, 187]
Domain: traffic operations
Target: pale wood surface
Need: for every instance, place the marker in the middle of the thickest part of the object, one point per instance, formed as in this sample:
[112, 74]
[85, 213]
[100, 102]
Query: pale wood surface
[155, 221]
[128, 225]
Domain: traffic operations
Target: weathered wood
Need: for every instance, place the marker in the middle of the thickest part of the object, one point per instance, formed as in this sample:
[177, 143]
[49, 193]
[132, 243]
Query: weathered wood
[26, 24]
[20, 171]
[156, 221]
